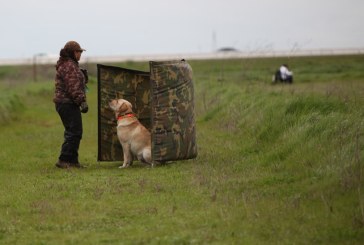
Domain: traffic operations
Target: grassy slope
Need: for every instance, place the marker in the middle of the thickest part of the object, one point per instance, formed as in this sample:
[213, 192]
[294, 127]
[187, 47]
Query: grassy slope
[276, 164]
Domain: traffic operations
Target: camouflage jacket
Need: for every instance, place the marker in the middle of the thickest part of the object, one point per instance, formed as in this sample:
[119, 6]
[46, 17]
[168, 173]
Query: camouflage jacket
[70, 82]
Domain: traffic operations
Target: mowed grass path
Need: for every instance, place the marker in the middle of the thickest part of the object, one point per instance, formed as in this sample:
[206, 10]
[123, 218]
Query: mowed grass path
[276, 165]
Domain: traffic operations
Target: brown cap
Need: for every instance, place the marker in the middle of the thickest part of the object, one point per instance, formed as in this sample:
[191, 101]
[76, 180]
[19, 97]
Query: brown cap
[73, 46]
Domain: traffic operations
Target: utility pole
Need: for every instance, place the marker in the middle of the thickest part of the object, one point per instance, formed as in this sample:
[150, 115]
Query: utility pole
[35, 65]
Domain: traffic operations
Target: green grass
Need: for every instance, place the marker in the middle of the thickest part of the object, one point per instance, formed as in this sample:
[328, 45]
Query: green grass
[276, 165]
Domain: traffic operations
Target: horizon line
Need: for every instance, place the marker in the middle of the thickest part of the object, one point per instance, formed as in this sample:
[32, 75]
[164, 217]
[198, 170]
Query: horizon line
[42, 58]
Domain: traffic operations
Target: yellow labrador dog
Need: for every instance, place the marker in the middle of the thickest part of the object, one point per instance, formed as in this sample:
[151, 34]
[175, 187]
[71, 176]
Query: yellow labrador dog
[133, 136]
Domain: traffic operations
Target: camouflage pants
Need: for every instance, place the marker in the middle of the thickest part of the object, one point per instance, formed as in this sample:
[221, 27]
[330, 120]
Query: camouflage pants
[72, 121]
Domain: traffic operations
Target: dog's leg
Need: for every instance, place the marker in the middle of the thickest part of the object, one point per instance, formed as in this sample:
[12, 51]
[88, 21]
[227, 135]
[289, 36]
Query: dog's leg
[128, 157]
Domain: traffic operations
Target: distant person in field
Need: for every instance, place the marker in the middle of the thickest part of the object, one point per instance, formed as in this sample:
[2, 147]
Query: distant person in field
[283, 74]
[70, 102]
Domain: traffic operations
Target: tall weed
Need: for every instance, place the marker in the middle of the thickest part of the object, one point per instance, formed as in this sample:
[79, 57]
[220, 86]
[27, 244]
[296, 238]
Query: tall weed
[10, 107]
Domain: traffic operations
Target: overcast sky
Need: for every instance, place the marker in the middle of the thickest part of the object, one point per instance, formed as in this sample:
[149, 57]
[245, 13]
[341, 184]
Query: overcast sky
[137, 27]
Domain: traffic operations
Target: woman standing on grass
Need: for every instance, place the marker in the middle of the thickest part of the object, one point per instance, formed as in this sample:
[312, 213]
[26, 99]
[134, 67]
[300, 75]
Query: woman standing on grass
[70, 101]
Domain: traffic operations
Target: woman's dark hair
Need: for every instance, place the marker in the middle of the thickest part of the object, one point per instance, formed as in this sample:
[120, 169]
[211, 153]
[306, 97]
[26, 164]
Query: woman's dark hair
[67, 53]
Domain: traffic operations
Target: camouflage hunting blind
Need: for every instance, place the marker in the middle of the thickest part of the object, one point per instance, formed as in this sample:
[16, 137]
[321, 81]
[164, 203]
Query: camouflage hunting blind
[163, 101]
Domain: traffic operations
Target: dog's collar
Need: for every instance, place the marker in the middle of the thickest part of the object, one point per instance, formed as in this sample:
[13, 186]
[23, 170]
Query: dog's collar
[126, 116]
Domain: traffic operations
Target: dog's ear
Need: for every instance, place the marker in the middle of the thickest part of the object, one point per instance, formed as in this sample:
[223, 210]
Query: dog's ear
[129, 104]
[123, 106]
